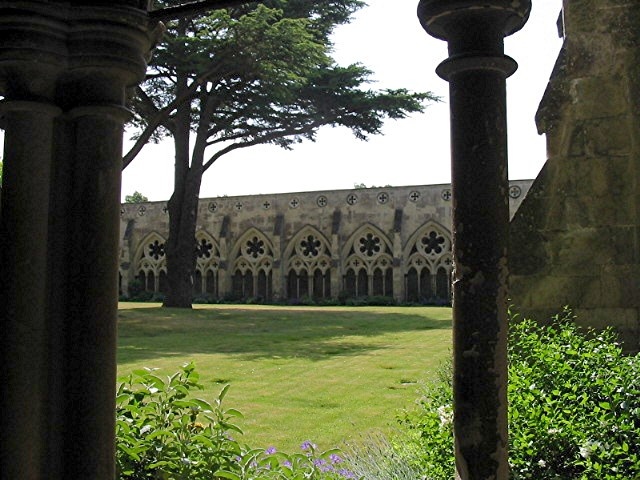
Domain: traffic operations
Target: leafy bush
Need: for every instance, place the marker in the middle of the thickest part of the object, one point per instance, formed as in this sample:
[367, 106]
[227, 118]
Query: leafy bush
[574, 407]
[136, 288]
[428, 438]
[162, 433]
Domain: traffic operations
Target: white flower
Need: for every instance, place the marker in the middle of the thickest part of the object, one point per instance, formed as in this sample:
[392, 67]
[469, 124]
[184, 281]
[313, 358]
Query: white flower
[589, 447]
[585, 452]
[145, 429]
[553, 431]
[445, 412]
[542, 463]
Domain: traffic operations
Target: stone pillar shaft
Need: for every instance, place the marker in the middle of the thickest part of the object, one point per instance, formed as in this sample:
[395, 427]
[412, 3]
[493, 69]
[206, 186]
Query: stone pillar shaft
[480, 230]
[476, 70]
[63, 74]
[23, 233]
[91, 238]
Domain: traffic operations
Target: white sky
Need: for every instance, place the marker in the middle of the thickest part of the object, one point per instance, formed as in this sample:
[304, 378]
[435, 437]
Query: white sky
[387, 38]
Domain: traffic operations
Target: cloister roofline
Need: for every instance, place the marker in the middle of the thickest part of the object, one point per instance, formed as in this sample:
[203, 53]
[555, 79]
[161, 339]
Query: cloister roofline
[336, 191]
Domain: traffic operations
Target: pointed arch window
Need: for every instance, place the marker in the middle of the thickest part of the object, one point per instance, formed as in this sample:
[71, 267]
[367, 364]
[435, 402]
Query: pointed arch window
[368, 264]
[151, 263]
[428, 266]
[308, 266]
[207, 265]
[253, 267]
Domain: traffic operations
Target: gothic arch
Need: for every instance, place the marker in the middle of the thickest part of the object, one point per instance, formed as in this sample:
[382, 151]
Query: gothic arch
[368, 263]
[252, 266]
[151, 262]
[308, 265]
[206, 277]
[428, 264]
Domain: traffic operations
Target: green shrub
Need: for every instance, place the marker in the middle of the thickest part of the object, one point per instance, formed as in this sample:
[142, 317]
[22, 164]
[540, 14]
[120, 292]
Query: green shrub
[136, 288]
[162, 433]
[428, 437]
[574, 407]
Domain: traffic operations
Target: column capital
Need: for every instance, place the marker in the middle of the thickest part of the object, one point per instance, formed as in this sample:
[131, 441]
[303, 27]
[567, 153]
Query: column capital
[440, 17]
[475, 31]
[93, 48]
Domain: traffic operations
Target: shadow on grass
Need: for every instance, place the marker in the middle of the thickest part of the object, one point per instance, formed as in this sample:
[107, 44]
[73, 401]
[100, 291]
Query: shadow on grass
[313, 334]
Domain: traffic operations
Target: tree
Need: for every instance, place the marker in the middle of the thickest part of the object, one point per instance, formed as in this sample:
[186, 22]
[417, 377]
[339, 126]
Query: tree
[137, 197]
[238, 77]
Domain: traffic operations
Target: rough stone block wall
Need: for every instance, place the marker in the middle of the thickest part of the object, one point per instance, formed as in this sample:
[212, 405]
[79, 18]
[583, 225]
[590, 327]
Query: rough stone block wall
[575, 237]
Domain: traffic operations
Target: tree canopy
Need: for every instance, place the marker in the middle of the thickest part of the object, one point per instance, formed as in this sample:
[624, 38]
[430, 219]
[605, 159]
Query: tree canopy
[136, 197]
[261, 74]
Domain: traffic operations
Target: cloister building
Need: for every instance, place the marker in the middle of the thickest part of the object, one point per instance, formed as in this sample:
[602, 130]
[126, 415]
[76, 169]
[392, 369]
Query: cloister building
[325, 245]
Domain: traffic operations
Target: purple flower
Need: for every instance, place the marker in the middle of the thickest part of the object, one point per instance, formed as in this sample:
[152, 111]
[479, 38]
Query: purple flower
[270, 450]
[286, 463]
[335, 458]
[307, 445]
[346, 473]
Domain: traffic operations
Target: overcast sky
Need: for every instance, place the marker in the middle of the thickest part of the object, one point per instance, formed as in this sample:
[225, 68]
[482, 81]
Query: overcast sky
[386, 37]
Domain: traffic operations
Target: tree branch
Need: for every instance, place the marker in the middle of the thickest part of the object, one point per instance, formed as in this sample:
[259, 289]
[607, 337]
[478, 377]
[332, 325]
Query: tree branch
[173, 13]
[265, 139]
[162, 115]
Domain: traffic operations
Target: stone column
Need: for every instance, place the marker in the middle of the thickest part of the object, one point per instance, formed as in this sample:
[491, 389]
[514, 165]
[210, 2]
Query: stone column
[63, 74]
[91, 283]
[24, 289]
[476, 70]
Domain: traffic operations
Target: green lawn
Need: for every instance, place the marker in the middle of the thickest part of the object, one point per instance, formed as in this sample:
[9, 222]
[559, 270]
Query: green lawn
[325, 374]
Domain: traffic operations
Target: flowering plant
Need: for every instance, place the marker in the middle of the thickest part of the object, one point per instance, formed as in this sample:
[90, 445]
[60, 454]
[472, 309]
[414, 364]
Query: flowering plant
[164, 433]
[574, 407]
[310, 464]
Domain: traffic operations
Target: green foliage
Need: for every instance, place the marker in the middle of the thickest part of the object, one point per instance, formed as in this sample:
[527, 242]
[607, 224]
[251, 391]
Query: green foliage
[311, 464]
[428, 438]
[161, 433]
[0, 173]
[574, 407]
[137, 197]
[575, 403]
[137, 292]
[260, 74]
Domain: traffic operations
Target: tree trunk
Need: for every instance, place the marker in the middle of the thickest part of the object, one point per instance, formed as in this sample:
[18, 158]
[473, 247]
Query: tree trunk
[181, 248]
[183, 208]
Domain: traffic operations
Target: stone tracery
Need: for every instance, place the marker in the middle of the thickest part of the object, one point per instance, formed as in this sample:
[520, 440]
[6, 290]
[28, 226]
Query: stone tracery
[206, 277]
[309, 265]
[252, 266]
[368, 263]
[151, 263]
[428, 265]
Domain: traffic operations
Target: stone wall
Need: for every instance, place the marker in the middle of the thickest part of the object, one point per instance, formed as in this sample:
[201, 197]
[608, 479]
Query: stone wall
[575, 238]
[391, 241]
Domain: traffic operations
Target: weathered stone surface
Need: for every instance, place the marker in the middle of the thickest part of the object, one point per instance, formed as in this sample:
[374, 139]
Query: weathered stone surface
[583, 209]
